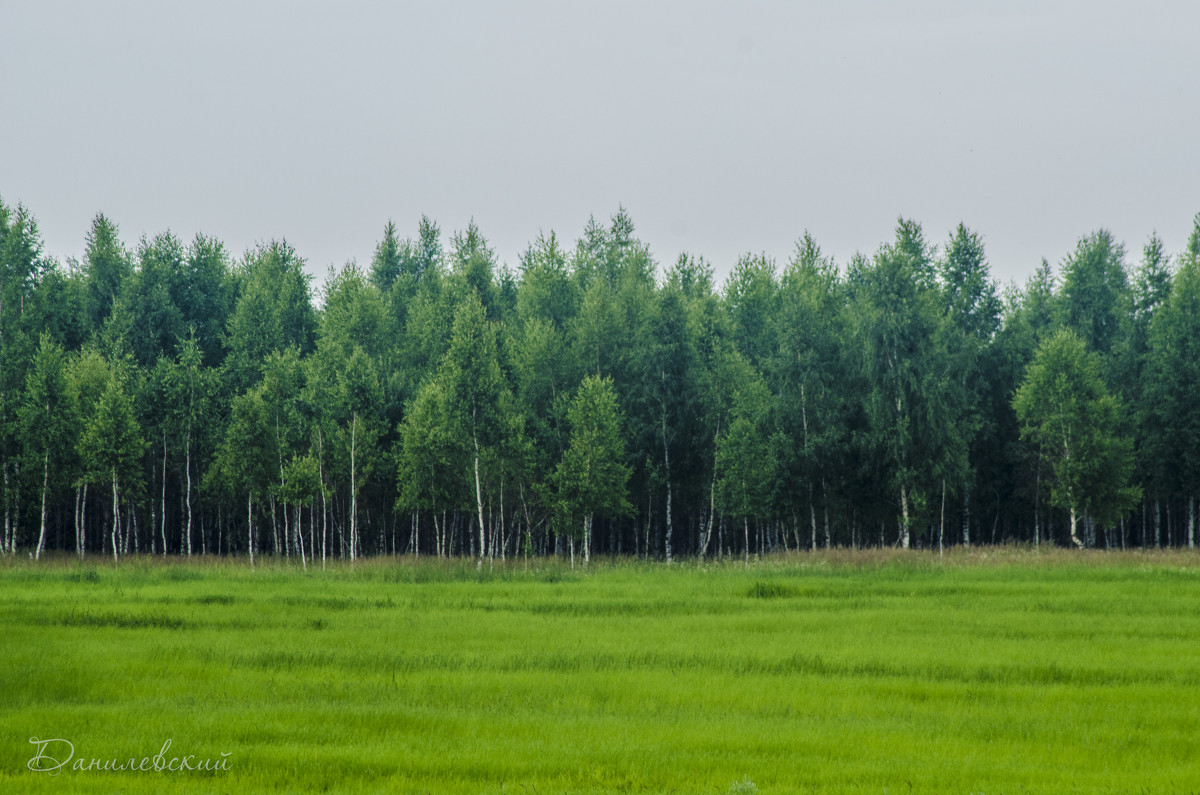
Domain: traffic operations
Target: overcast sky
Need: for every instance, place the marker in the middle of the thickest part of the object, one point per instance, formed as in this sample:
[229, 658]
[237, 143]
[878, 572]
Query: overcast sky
[722, 127]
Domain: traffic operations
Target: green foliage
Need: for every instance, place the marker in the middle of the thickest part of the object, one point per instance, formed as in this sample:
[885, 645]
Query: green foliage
[442, 382]
[112, 442]
[744, 460]
[1066, 410]
[273, 311]
[592, 477]
[1170, 398]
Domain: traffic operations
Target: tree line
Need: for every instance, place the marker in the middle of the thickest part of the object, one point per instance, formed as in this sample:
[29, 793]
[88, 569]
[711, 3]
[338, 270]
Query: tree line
[171, 398]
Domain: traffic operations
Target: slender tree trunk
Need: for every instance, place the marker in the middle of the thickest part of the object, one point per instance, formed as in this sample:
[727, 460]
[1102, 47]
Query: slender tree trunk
[187, 473]
[78, 532]
[746, 539]
[712, 514]
[666, 466]
[45, 488]
[479, 502]
[942, 521]
[10, 541]
[163, 496]
[1157, 523]
[116, 514]
[825, 508]
[324, 508]
[250, 526]
[587, 541]
[1074, 536]
[353, 488]
[1191, 522]
[503, 543]
[300, 535]
[904, 517]
[966, 517]
[83, 525]
[1037, 493]
[812, 517]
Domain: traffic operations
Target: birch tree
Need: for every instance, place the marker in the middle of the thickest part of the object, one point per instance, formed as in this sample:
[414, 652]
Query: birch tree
[592, 477]
[112, 446]
[1066, 409]
[49, 422]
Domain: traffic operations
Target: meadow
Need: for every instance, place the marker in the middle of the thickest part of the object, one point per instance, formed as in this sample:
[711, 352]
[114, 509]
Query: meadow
[996, 671]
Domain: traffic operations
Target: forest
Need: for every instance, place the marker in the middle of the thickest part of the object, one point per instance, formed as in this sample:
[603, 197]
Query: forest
[175, 399]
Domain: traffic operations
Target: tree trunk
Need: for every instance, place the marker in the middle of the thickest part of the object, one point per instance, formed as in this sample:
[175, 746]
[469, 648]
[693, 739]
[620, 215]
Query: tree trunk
[812, 516]
[187, 473]
[324, 507]
[966, 526]
[587, 541]
[10, 542]
[300, 535]
[116, 514]
[746, 538]
[83, 524]
[250, 526]
[904, 517]
[942, 522]
[666, 466]
[163, 496]
[45, 488]
[353, 489]
[1157, 523]
[825, 509]
[1037, 492]
[1074, 536]
[78, 533]
[1191, 522]
[479, 502]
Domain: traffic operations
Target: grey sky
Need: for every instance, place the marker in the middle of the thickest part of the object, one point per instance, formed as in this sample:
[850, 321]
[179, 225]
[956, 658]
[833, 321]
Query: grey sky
[721, 127]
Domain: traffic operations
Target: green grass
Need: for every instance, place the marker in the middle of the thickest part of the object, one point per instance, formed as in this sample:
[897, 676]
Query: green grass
[999, 672]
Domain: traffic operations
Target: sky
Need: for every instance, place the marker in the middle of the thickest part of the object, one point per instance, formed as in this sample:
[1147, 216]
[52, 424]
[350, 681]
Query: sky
[722, 128]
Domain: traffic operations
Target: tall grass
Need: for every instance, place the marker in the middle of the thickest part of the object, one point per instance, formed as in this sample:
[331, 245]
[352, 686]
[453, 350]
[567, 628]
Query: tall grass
[849, 671]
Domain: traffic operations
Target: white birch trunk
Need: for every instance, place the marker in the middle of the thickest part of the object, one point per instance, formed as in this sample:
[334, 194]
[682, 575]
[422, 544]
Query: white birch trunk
[587, 540]
[78, 537]
[83, 524]
[812, 517]
[746, 538]
[479, 503]
[942, 521]
[904, 517]
[667, 467]
[1157, 523]
[1191, 522]
[116, 514]
[353, 489]
[825, 509]
[250, 526]
[187, 469]
[966, 517]
[45, 488]
[300, 535]
[321, 475]
[163, 496]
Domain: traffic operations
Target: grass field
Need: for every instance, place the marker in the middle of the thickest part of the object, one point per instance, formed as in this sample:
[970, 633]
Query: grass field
[1004, 671]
